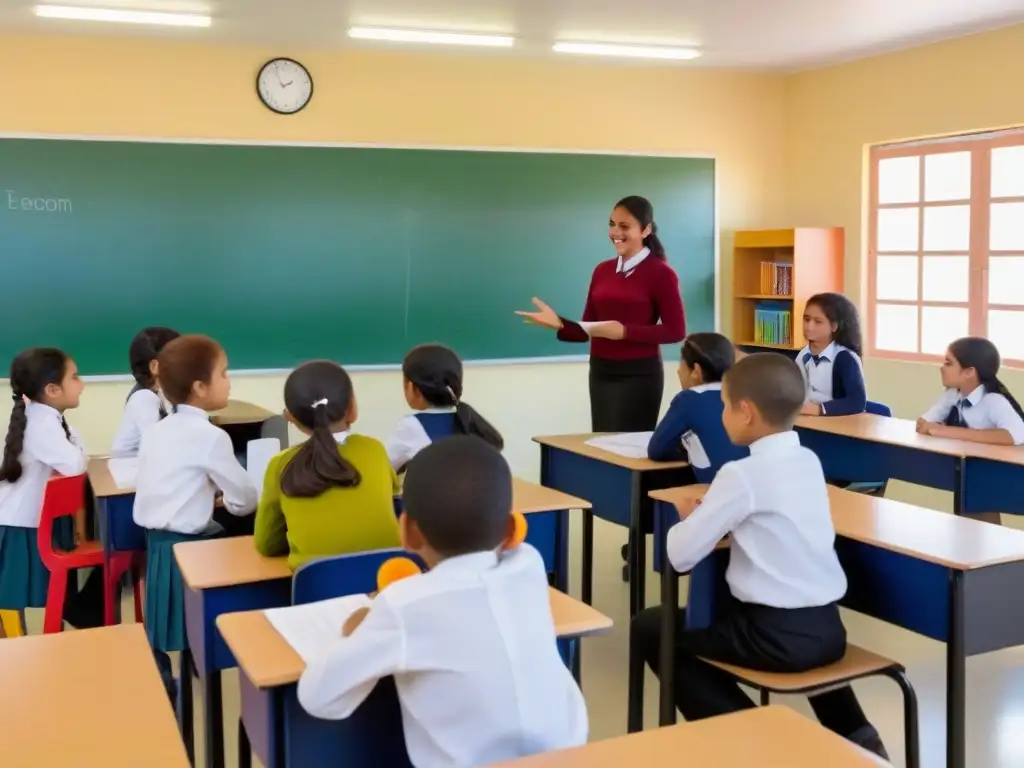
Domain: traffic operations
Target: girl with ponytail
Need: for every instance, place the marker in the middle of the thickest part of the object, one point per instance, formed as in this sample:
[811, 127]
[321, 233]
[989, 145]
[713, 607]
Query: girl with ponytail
[433, 388]
[145, 406]
[333, 494]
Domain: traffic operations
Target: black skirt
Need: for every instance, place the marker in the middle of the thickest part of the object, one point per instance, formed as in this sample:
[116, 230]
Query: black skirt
[625, 395]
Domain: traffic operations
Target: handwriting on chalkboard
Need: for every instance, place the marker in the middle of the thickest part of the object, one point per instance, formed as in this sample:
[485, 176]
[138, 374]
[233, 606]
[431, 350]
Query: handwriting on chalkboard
[17, 201]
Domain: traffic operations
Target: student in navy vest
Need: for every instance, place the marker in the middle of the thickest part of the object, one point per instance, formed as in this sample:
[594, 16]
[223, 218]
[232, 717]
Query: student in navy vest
[633, 307]
[432, 375]
[831, 361]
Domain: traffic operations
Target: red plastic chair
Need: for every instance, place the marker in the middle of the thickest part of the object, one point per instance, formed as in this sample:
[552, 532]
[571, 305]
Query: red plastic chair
[65, 496]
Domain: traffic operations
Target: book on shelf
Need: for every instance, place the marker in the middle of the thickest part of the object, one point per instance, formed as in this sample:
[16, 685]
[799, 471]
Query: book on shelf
[773, 324]
[776, 278]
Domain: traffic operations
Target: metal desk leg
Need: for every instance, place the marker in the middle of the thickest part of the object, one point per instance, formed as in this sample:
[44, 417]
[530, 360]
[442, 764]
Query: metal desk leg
[244, 747]
[214, 731]
[956, 676]
[587, 586]
[186, 714]
[637, 547]
[959, 496]
[667, 660]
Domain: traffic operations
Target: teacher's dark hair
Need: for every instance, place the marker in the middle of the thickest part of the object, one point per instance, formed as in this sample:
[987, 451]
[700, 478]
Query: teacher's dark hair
[640, 208]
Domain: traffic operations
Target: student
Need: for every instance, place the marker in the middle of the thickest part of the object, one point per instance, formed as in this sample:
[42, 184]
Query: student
[334, 494]
[145, 406]
[433, 388]
[692, 429]
[45, 384]
[184, 460]
[831, 361]
[471, 642]
[784, 576]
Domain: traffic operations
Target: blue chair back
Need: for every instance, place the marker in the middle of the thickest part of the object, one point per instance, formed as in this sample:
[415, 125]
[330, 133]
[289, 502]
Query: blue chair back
[341, 575]
[878, 409]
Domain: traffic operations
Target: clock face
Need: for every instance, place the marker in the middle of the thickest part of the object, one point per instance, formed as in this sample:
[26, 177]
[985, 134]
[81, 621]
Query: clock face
[284, 85]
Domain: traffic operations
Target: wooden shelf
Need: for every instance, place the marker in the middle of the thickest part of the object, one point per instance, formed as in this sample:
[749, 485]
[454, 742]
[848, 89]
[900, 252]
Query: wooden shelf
[766, 296]
[789, 347]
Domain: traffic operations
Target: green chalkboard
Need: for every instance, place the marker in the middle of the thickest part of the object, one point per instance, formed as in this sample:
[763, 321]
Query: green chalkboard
[285, 253]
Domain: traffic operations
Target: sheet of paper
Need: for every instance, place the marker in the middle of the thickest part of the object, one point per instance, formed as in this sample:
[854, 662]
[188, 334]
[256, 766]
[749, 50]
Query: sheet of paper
[632, 445]
[258, 454]
[312, 628]
[124, 471]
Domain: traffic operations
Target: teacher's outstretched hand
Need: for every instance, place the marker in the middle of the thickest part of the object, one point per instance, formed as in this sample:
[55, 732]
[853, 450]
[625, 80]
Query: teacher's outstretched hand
[633, 307]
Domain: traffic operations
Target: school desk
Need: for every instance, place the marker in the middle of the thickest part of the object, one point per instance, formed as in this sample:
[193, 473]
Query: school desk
[270, 669]
[547, 518]
[949, 578]
[617, 487]
[766, 737]
[91, 698]
[993, 478]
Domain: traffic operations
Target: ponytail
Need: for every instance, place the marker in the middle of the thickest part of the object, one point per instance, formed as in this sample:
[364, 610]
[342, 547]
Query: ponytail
[640, 208]
[996, 385]
[470, 422]
[653, 243]
[10, 469]
[318, 466]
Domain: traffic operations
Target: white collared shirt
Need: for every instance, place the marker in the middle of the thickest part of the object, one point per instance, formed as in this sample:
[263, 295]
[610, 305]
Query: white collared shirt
[632, 262]
[987, 410]
[140, 413]
[818, 376]
[46, 449]
[409, 438]
[183, 461]
[775, 505]
[471, 645]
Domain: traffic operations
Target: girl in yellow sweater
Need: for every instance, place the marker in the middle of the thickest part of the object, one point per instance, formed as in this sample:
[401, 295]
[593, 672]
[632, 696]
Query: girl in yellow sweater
[334, 494]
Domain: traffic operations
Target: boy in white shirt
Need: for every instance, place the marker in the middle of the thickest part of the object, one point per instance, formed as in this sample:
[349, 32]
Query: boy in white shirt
[471, 643]
[784, 576]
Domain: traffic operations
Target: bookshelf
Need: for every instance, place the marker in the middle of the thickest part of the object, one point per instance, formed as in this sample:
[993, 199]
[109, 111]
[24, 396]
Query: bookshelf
[775, 271]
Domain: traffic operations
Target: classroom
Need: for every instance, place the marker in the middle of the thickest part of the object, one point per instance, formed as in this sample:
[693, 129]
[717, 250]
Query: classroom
[787, 107]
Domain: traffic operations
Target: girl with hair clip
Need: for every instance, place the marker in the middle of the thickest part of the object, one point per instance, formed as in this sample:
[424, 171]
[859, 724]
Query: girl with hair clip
[831, 361]
[433, 388]
[334, 494]
[692, 429]
[145, 406]
[976, 405]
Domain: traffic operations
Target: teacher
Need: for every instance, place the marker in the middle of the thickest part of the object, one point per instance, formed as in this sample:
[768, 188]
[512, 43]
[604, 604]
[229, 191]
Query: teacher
[633, 306]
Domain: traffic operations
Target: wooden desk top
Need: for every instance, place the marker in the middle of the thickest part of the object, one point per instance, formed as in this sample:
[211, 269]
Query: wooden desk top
[103, 485]
[58, 691]
[765, 737]
[226, 562]
[954, 542]
[883, 429]
[268, 661]
[239, 412]
[578, 444]
[529, 497]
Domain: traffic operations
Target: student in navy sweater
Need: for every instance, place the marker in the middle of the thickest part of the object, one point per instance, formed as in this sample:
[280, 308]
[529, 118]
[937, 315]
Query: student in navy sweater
[831, 361]
[632, 308]
[692, 430]
[432, 375]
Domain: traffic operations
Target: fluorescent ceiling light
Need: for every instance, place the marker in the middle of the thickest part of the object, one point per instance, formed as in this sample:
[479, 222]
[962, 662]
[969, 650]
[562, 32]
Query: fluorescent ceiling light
[424, 36]
[79, 13]
[629, 51]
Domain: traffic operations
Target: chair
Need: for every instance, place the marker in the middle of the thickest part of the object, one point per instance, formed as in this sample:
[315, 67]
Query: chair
[64, 498]
[341, 575]
[872, 487]
[857, 664]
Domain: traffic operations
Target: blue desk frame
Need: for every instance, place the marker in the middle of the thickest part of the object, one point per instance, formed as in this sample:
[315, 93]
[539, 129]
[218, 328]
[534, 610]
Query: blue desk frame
[972, 611]
[991, 485]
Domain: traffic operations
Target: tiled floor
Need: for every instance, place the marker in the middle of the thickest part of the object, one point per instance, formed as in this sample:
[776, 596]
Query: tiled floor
[995, 681]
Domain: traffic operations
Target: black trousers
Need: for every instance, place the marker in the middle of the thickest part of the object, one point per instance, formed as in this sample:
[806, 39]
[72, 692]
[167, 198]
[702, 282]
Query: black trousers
[625, 395]
[756, 637]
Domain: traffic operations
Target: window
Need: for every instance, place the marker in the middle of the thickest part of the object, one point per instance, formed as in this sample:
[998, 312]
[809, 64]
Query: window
[946, 252]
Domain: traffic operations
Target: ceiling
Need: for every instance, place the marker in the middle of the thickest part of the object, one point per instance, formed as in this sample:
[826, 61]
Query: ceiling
[786, 34]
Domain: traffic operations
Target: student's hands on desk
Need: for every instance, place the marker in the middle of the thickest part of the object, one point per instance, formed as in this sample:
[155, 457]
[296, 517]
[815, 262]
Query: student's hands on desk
[687, 507]
[811, 409]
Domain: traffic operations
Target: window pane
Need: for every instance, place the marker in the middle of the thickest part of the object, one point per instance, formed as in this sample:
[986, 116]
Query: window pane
[896, 327]
[896, 278]
[899, 180]
[1006, 230]
[941, 325]
[947, 228]
[1006, 331]
[947, 176]
[1006, 280]
[1007, 171]
[945, 278]
[897, 229]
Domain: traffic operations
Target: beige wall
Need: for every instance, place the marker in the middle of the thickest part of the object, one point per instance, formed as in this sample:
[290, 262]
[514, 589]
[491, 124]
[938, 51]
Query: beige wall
[123, 87]
[832, 115]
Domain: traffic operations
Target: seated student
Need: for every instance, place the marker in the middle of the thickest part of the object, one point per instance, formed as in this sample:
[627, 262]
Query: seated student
[433, 388]
[784, 576]
[692, 429]
[145, 406]
[831, 361]
[471, 643]
[184, 461]
[333, 494]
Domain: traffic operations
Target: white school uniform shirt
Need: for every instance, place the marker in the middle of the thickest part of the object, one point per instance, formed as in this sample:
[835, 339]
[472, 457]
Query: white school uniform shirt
[632, 262]
[472, 648]
[775, 504]
[979, 410]
[183, 461]
[141, 412]
[46, 449]
[818, 378]
[409, 438]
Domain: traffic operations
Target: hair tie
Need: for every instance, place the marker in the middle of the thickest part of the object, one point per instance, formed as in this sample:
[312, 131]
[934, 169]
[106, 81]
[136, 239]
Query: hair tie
[17, 398]
[318, 403]
[455, 398]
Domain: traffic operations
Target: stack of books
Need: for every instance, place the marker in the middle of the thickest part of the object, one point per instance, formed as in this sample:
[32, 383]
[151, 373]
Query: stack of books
[776, 278]
[773, 324]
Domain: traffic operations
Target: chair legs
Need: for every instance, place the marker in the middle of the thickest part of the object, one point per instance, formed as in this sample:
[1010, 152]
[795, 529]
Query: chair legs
[120, 564]
[911, 737]
[53, 620]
